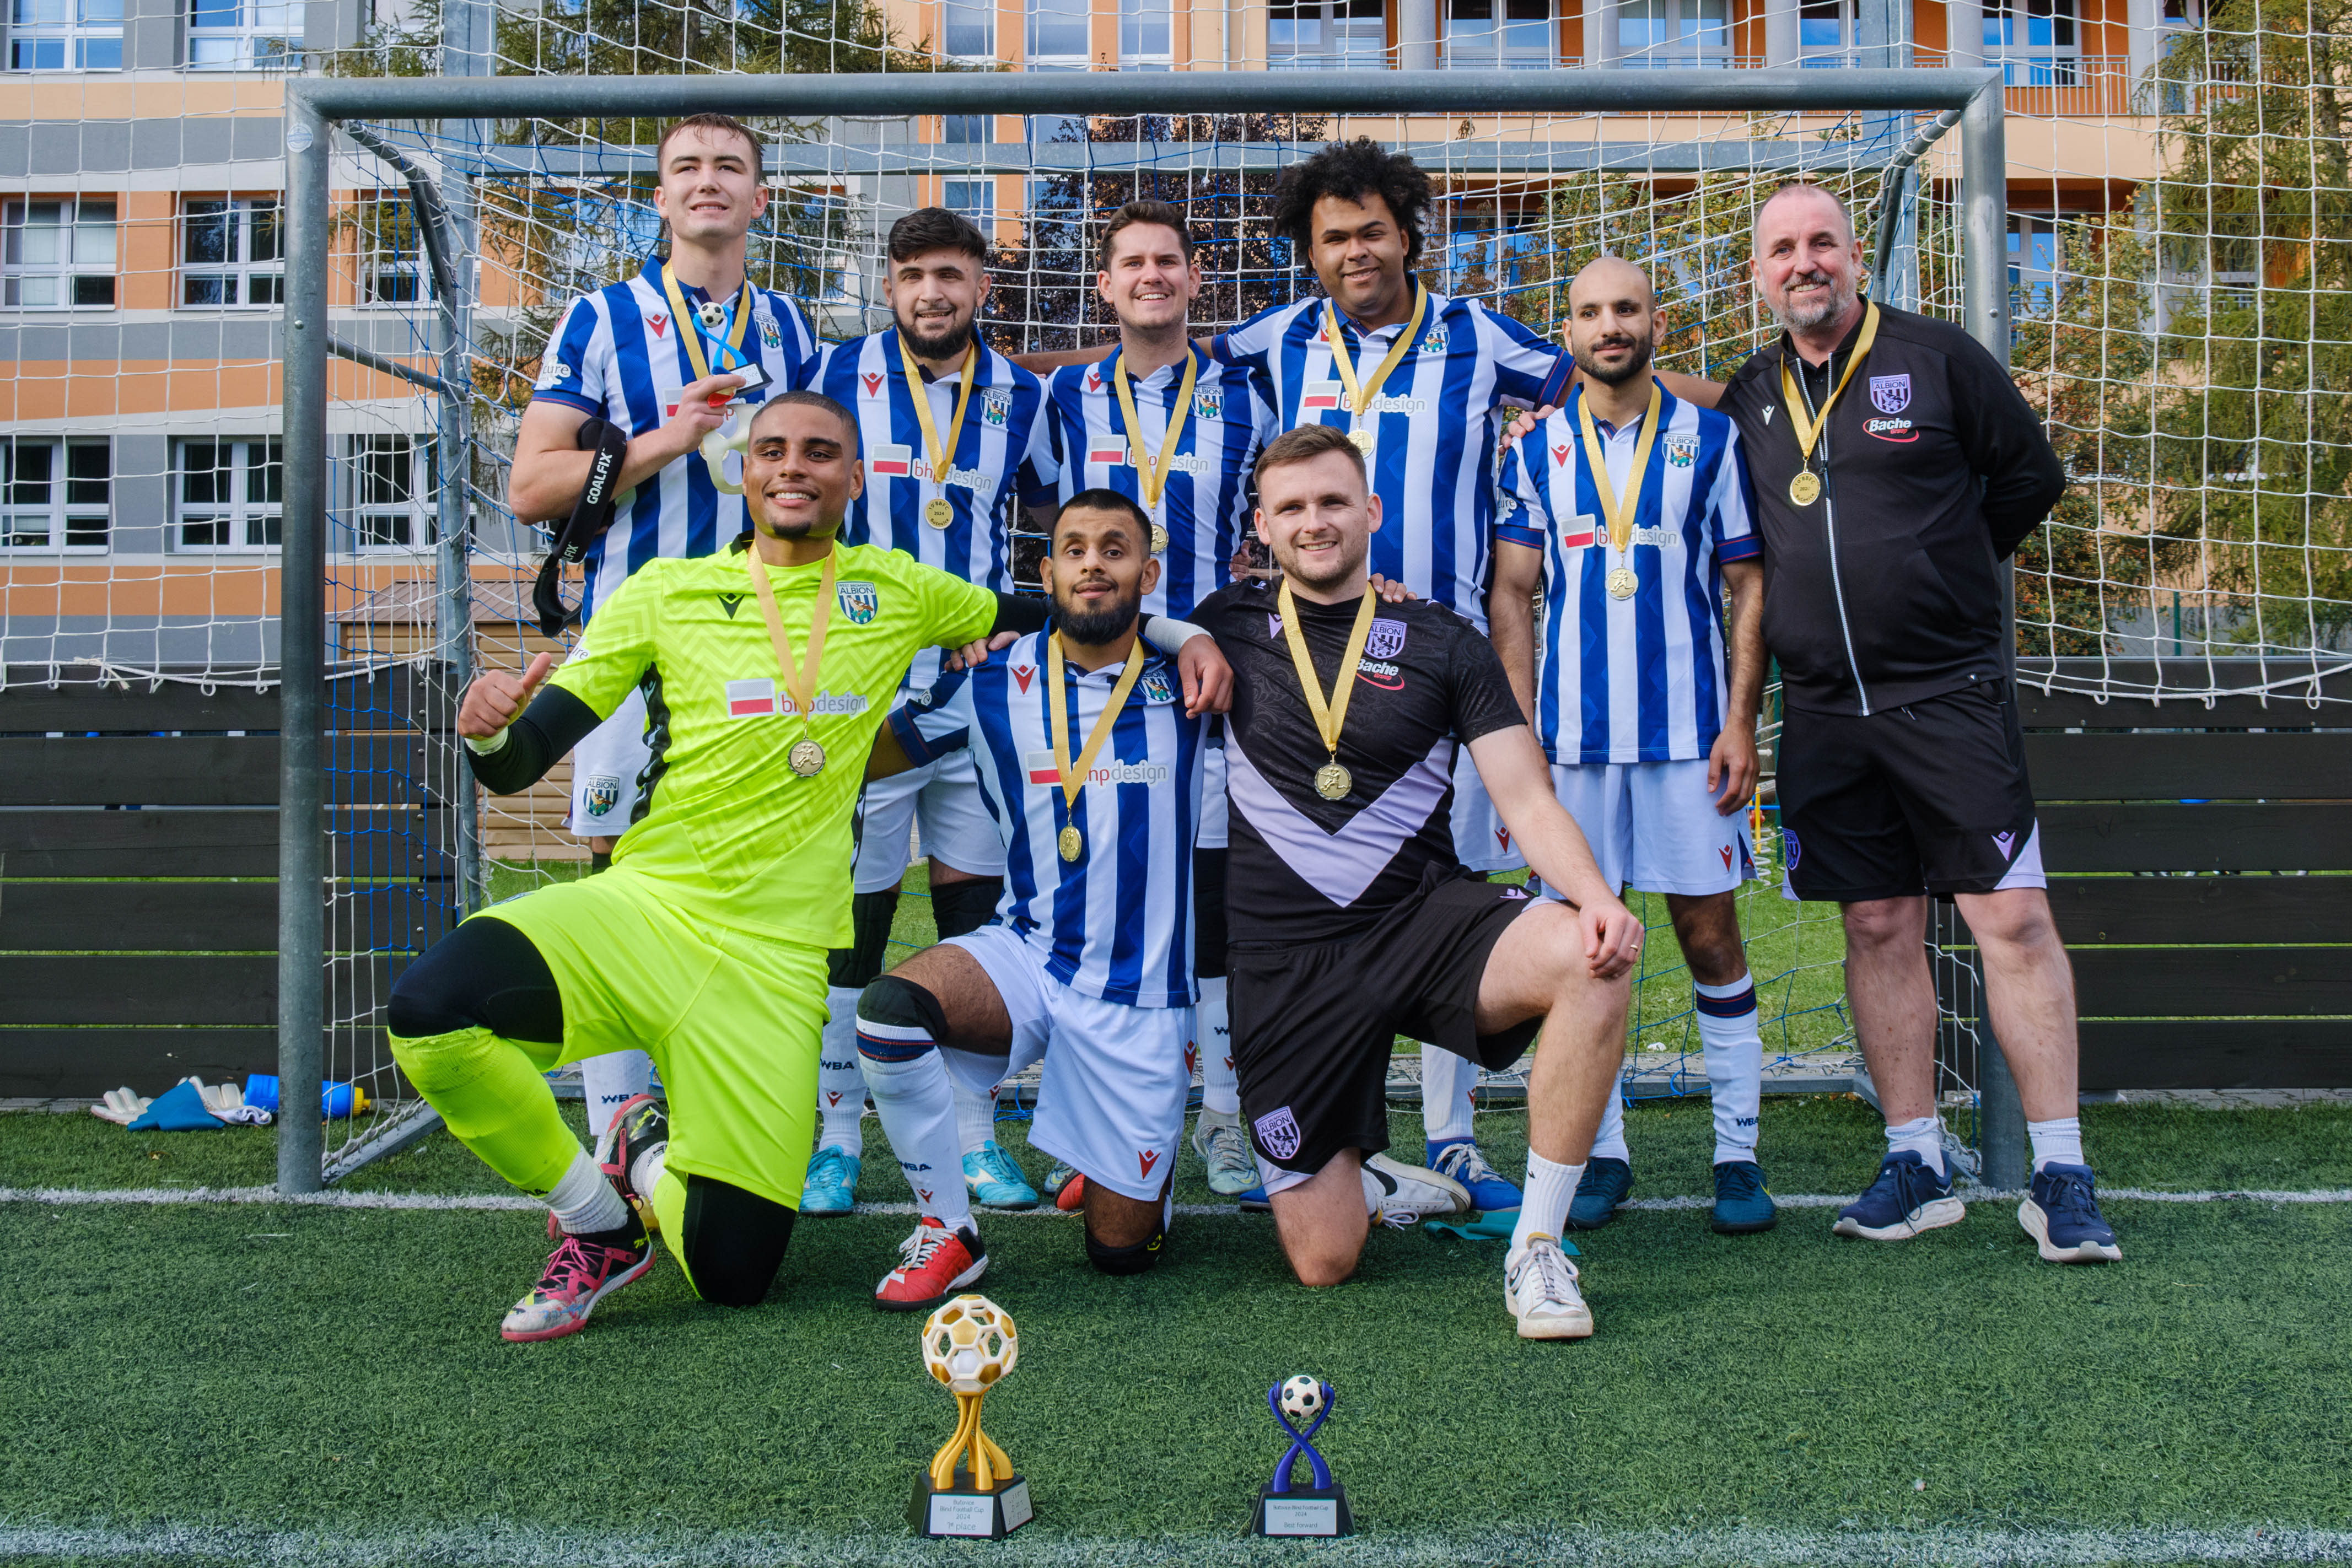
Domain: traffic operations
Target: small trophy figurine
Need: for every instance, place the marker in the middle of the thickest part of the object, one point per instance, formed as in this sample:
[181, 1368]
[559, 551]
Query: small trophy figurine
[970, 1344]
[1283, 1509]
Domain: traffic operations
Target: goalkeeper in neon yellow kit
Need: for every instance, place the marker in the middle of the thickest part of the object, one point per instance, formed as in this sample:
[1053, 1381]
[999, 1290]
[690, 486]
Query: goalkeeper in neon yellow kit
[767, 669]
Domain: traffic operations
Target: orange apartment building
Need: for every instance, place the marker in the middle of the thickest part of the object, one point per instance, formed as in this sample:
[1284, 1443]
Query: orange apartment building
[141, 267]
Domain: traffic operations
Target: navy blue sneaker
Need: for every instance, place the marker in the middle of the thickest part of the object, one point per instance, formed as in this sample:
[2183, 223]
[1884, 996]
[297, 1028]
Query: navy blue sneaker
[1460, 1158]
[2060, 1212]
[1741, 1204]
[1606, 1182]
[1908, 1197]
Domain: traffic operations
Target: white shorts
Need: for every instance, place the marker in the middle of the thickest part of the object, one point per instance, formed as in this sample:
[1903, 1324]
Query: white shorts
[1110, 1102]
[1654, 826]
[1213, 816]
[944, 798]
[1480, 840]
[606, 768]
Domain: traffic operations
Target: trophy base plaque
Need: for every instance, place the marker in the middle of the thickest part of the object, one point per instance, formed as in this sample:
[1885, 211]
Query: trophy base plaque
[963, 1509]
[1302, 1512]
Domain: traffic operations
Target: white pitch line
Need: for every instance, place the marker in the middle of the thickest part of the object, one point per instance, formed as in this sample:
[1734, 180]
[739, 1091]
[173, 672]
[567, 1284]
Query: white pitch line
[500, 1200]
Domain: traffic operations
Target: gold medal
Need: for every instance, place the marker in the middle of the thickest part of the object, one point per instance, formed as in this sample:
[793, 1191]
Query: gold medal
[1073, 774]
[1623, 584]
[807, 758]
[1073, 843]
[939, 511]
[1333, 782]
[1806, 487]
[1159, 539]
[1364, 440]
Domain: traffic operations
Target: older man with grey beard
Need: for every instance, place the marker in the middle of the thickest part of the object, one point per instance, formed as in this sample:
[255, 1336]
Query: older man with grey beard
[1896, 466]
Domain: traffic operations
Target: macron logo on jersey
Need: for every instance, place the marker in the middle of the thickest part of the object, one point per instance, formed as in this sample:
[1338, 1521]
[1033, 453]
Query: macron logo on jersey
[1025, 673]
[659, 322]
[1041, 770]
[873, 385]
[1559, 455]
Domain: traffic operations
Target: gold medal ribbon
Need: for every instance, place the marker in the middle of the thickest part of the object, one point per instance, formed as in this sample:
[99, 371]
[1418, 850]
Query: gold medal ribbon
[1360, 399]
[1073, 777]
[1328, 716]
[800, 685]
[1150, 474]
[1621, 510]
[941, 458]
[1809, 428]
[689, 328]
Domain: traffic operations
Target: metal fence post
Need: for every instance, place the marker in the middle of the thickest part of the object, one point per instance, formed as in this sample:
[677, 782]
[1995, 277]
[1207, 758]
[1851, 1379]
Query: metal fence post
[302, 869]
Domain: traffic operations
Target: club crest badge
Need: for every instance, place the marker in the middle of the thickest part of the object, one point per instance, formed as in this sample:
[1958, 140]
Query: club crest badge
[768, 333]
[1208, 405]
[1789, 848]
[995, 406]
[1278, 1134]
[1433, 342]
[1890, 394]
[858, 601]
[602, 794]
[1681, 450]
[1155, 690]
[1385, 641]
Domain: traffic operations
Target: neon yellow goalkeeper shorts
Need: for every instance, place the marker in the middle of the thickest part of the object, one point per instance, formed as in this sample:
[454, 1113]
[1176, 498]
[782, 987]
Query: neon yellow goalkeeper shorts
[731, 1020]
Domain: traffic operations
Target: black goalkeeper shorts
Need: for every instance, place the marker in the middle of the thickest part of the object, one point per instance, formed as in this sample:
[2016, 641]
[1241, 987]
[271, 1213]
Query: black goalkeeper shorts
[1929, 798]
[1313, 1026]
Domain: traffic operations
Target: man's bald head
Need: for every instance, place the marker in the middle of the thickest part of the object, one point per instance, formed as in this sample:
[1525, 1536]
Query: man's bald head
[1613, 320]
[1609, 278]
[1819, 204]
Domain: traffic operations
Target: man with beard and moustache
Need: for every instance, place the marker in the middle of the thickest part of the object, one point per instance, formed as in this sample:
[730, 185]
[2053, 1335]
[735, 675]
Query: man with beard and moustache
[631, 354]
[771, 665]
[1632, 514]
[1092, 767]
[1896, 466]
[1351, 919]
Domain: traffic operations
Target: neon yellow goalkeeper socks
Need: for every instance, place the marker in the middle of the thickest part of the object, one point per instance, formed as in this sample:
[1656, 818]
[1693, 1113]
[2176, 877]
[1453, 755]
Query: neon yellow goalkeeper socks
[490, 1091]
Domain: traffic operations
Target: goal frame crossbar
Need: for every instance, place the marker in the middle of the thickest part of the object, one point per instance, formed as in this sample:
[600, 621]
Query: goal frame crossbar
[315, 106]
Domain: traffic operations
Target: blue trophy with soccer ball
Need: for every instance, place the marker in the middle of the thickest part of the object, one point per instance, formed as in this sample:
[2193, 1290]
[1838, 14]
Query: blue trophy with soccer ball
[1285, 1508]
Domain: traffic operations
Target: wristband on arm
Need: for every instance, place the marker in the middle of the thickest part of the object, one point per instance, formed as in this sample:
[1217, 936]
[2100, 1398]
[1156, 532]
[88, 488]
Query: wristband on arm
[591, 516]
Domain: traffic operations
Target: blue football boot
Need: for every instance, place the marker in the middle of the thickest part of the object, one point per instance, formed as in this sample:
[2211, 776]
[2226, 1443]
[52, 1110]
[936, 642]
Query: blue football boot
[1741, 1204]
[1908, 1197]
[831, 1184]
[1606, 1182]
[1461, 1159]
[995, 1181]
[2060, 1212]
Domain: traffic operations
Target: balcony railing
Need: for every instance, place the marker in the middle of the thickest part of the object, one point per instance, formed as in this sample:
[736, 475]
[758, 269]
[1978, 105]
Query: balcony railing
[2047, 84]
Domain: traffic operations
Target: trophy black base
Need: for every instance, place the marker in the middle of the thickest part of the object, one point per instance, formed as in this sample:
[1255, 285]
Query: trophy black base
[1302, 1512]
[963, 1509]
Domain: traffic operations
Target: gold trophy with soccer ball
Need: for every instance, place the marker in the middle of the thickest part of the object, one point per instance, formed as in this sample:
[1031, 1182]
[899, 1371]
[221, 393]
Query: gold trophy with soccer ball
[970, 1344]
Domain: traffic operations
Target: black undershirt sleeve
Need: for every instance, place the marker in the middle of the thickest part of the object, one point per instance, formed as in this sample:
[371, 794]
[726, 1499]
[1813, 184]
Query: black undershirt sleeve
[554, 723]
[1021, 614]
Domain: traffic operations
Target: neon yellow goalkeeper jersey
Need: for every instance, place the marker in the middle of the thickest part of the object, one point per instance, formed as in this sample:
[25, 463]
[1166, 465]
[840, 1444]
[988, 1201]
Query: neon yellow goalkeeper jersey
[745, 841]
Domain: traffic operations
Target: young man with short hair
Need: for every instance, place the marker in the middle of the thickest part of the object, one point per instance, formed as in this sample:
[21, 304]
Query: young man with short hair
[634, 354]
[1352, 919]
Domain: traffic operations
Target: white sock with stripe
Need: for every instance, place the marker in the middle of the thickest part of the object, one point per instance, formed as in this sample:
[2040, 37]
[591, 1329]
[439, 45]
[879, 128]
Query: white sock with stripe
[840, 1083]
[975, 1116]
[1735, 1063]
[1221, 1087]
[917, 1103]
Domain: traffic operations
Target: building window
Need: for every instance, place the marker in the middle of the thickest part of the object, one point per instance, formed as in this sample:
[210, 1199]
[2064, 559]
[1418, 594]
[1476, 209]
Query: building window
[971, 30]
[1508, 34]
[58, 494]
[2034, 257]
[1145, 35]
[968, 129]
[975, 199]
[57, 255]
[1825, 31]
[2035, 42]
[387, 489]
[1673, 33]
[392, 267]
[230, 494]
[243, 35]
[1058, 34]
[1308, 35]
[232, 252]
[65, 35]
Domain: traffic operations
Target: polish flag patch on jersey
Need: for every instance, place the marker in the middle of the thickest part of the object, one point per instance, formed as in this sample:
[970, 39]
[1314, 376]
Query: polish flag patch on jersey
[1111, 456]
[891, 462]
[1319, 394]
[750, 699]
[1041, 769]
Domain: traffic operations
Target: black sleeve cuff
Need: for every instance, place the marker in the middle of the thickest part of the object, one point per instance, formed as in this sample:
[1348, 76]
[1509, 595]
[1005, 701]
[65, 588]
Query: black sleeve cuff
[1021, 614]
[555, 722]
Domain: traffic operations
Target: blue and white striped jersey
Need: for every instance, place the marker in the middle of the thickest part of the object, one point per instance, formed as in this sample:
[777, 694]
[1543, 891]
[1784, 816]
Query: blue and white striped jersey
[1638, 679]
[1002, 453]
[1433, 467]
[1118, 922]
[1206, 503]
[618, 355]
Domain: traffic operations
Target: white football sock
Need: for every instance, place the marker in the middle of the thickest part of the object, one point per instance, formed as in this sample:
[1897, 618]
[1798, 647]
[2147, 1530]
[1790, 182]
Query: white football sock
[1544, 1211]
[1221, 1088]
[646, 1170]
[1735, 1064]
[1609, 1142]
[917, 1104]
[1923, 1135]
[611, 1081]
[975, 1116]
[1446, 1081]
[584, 1202]
[840, 1085]
[2058, 1143]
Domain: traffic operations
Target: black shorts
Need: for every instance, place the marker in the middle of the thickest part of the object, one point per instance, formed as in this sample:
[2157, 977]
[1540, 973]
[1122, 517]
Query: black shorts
[1313, 1026]
[1930, 798]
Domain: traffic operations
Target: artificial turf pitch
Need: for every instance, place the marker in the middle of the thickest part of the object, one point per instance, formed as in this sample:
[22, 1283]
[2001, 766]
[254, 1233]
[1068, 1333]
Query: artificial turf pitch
[291, 1383]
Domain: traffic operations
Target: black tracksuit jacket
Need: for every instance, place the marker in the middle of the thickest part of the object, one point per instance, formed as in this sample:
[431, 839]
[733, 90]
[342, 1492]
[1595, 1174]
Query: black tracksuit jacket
[1886, 590]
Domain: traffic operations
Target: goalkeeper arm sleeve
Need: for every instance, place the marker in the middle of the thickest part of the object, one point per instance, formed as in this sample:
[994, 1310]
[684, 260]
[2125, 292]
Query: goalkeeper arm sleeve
[554, 723]
[1020, 613]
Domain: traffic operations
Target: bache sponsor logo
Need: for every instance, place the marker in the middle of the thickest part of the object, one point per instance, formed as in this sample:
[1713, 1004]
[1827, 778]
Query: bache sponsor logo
[1890, 429]
[1043, 774]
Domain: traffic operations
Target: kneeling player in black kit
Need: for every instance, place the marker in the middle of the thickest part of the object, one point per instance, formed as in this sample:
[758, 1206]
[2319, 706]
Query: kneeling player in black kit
[1349, 919]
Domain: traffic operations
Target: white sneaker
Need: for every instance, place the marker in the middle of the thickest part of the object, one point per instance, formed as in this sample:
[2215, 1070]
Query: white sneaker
[1539, 1287]
[1398, 1195]
[1225, 1149]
